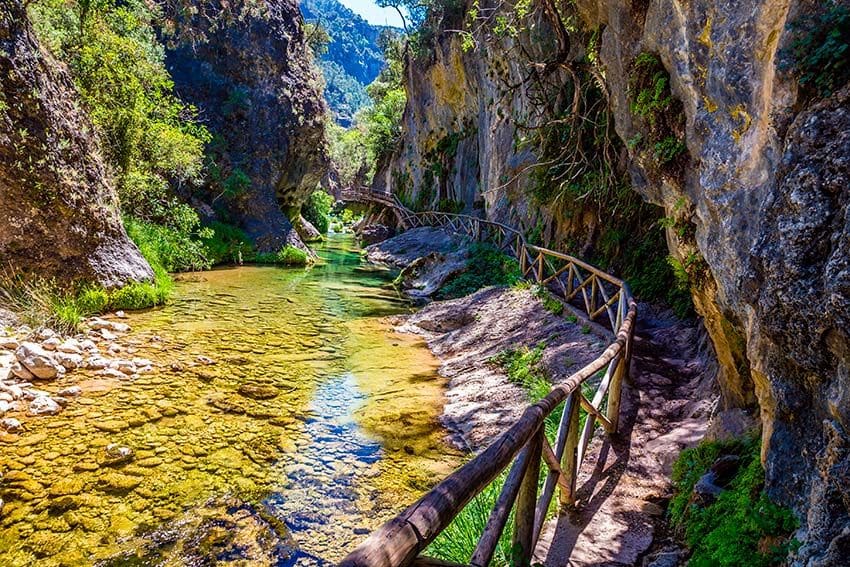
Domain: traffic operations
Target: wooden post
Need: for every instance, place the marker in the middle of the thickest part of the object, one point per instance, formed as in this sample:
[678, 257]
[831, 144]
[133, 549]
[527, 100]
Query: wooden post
[569, 462]
[614, 393]
[522, 540]
[540, 268]
[522, 265]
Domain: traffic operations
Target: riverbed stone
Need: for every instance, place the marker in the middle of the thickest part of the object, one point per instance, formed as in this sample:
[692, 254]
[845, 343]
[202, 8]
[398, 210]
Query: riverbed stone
[69, 361]
[115, 455]
[38, 361]
[10, 424]
[52, 343]
[258, 391]
[118, 483]
[44, 405]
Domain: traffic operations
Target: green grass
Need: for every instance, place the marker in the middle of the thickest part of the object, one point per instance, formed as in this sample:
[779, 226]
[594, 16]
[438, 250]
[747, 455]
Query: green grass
[742, 527]
[287, 256]
[487, 266]
[550, 303]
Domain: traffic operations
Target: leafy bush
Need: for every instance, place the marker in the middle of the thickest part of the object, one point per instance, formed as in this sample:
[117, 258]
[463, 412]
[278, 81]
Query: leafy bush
[317, 210]
[150, 138]
[487, 266]
[287, 256]
[741, 527]
[821, 48]
[173, 250]
[226, 243]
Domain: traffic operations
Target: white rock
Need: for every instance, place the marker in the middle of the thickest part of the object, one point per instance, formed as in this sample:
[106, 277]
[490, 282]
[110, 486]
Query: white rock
[10, 424]
[9, 343]
[5, 406]
[205, 360]
[112, 373]
[108, 335]
[68, 360]
[52, 343]
[125, 366]
[120, 314]
[70, 346]
[113, 348]
[71, 392]
[14, 390]
[6, 397]
[44, 405]
[142, 362]
[98, 324]
[97, 363]
[88, 345]
[45, 334]
[119, 327]
[38, 361]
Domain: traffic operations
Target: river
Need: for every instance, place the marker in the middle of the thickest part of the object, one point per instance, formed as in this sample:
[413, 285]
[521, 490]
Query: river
[313, 410]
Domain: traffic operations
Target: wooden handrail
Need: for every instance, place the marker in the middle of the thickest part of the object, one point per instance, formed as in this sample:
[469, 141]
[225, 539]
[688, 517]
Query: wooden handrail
[400, 541]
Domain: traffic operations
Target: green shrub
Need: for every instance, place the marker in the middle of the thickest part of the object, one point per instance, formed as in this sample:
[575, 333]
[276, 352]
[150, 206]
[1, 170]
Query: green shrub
[317, 210]
[741, 527]
[287, 256]
[487, 266]
[173, 250]
[821, 48]
[450, 206]
[226, 243]
[550, 303]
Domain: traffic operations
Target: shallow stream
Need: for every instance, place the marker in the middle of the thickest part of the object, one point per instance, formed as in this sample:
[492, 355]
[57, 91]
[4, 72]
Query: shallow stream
[314, 411]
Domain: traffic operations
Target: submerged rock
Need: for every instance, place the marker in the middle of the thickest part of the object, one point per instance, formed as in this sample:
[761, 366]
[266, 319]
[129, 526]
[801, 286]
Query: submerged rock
[258, 391]
[223, 530]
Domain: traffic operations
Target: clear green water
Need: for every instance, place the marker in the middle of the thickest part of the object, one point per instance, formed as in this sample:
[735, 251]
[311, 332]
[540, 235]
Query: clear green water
[350, 436]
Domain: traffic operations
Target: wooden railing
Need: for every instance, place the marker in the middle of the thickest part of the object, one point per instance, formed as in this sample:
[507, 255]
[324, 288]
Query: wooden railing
[400, 541]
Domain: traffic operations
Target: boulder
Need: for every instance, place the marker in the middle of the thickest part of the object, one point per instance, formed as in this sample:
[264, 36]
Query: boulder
[59, 214]
[38, 361]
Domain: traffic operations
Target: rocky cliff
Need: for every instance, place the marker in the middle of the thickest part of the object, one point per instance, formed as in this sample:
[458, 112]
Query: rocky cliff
[768, 186]
[59, 213]
[751, 172]
[248, 69]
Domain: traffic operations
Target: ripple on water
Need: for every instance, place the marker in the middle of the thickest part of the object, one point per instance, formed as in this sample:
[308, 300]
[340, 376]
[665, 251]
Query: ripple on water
[349, 438]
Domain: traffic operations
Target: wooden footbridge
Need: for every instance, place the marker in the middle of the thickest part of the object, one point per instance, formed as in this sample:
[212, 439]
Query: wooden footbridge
[524, 448]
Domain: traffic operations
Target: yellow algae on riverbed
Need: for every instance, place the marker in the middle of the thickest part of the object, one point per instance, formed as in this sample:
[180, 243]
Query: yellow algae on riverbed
[314, 409]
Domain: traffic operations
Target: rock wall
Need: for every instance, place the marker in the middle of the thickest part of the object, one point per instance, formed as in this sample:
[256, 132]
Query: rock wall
[59, 213]
[248, 69]
[759, 199]
[768, 186]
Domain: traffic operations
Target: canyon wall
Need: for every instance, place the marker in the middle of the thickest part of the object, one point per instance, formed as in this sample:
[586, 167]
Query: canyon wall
[246, 66]
[59, 214]
[752, 174]
[768, 186]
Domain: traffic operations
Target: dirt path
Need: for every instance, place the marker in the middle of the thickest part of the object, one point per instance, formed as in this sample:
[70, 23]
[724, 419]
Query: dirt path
[624, 482]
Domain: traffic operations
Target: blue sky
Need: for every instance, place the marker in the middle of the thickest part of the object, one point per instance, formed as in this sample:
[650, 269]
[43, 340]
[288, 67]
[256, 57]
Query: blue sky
[374, 14]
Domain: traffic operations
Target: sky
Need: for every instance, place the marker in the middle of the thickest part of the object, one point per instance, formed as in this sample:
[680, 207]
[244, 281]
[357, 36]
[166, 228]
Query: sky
[374, 14]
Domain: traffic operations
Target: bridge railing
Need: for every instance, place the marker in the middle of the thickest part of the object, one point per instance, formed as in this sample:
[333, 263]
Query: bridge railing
[524, 447]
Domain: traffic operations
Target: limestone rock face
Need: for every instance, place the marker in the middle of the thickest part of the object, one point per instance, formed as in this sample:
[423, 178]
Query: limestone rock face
[58, 206]
[459, 127]
[768, 185]
[248, 69]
